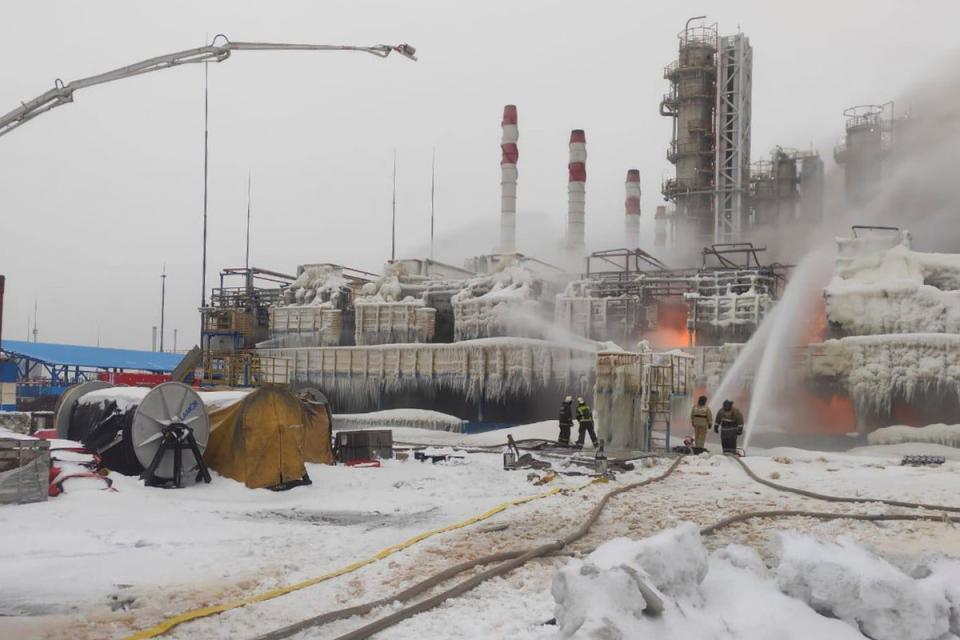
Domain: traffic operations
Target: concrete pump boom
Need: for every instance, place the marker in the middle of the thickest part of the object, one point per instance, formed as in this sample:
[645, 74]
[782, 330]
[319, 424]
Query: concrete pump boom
[217, 51]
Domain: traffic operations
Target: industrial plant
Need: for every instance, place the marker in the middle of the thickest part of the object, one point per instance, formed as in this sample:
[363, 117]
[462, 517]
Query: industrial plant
[749, 385]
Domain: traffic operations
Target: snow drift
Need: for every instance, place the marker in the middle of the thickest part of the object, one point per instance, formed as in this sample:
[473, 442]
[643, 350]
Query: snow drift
[834, 590]
[945, 434]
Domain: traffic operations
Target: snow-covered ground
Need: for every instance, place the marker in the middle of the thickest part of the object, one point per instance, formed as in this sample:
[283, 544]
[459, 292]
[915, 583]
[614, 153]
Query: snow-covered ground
[94, 564]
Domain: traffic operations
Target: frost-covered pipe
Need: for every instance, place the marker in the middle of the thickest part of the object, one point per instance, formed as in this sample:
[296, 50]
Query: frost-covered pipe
[508, 180]
[632, 206]
[576, 193]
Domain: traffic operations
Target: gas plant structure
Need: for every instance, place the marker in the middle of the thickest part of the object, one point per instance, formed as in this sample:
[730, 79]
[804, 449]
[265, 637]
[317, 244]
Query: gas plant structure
[717, 195]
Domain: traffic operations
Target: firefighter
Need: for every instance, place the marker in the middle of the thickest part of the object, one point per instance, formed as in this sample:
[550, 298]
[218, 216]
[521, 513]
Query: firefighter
[729, 424]
[566, 420]
[585, 421]
[701, 418]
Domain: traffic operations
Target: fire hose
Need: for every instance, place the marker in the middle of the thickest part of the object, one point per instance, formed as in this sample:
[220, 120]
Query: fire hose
[829, 498]
[517, 558]
[513, 559]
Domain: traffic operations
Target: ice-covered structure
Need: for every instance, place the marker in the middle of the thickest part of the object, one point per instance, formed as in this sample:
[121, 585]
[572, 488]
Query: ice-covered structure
[511, 301]
[487, 380]
[634, 296]
[884, 287]
[895, 315]
[638, 395]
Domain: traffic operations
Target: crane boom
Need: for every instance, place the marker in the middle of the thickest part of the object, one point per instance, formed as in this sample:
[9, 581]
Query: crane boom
[217, 51]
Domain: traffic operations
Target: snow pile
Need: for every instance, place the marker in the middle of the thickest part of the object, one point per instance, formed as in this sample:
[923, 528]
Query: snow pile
[843, 580]
[895, 291]
[411, 418]
[16, 421]
[668, 587]
[498, 304]
[608, 594]
[511, 283]
[125, 397]
[945, 434]
[221, 399]
[319, 285]
[385, 290]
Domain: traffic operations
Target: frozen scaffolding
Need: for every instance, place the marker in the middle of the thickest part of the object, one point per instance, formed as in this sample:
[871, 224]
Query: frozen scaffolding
[637, 395]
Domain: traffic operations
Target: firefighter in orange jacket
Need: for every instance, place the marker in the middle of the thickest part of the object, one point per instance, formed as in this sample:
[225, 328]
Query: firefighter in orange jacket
[701, 418]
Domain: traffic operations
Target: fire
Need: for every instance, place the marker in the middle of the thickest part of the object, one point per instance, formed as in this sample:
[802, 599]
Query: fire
[671, 331]
[816, 414]
[669, 337]
[817, 329]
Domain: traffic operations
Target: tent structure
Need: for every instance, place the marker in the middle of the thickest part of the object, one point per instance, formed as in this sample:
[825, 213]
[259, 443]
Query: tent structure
[264, 438]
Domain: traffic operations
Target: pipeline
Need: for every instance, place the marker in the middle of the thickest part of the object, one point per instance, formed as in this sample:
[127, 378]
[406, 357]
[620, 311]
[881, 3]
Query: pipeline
[829, 498]
[821, 515]
[511, 560]
[169, 623]
[517, 560]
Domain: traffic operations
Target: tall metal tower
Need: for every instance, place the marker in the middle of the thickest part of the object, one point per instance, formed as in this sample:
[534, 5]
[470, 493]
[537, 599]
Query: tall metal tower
[732, 161]
[866, 143]
[710, 103]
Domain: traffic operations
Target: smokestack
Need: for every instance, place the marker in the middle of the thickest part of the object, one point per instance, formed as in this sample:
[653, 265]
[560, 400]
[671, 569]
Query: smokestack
[632, 205]
[153, 341]
[660, 229]
[508, 180]
[576, 194]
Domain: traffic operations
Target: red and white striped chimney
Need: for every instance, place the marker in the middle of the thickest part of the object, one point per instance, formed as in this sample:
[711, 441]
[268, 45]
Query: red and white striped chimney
[508, 180]
[576, 194]
[660, 227]
[632, 205]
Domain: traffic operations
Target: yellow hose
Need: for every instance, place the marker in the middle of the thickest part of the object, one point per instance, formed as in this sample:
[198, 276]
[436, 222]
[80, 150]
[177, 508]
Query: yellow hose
[187, 616]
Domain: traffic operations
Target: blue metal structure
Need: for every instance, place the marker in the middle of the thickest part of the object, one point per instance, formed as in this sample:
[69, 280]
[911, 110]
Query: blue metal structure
[69, 364]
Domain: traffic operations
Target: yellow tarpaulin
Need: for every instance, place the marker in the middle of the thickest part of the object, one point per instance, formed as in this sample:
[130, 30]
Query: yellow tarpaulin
[264, 439]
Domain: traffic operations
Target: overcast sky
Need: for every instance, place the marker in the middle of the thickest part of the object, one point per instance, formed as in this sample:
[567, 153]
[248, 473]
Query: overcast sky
[98, 194]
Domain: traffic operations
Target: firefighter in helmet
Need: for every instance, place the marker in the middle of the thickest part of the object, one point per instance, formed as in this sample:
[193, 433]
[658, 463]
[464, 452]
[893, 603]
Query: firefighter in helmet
[566, 420]
[701, 418]
[729, 423]
[585, 421]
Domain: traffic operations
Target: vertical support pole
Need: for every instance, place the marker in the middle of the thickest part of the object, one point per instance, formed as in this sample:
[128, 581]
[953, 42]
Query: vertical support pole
[206, 137]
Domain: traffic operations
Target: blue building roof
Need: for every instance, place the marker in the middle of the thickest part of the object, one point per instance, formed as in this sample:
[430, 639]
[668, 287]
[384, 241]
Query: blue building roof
[97, 357]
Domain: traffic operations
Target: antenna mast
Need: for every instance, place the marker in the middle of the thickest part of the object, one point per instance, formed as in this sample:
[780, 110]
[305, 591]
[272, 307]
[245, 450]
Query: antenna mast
[163, 301]
[393, 226]
[433, 184]
[246, 262]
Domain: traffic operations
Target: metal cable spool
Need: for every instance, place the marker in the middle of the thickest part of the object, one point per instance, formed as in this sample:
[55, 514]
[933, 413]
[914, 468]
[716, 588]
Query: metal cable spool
[169, 405]
[127, 426]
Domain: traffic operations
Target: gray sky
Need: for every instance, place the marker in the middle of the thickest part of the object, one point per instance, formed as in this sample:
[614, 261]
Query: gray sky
[98, 194]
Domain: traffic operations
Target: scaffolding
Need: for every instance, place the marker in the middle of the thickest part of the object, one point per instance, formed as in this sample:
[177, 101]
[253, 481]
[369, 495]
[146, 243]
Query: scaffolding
[732, 179]
[711, 84]
[236, 319]
[638, 396]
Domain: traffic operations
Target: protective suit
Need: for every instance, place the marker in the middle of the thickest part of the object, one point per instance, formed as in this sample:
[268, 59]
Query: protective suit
[701, 418]
[585, 421]
[566, 420]
[729, 423]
